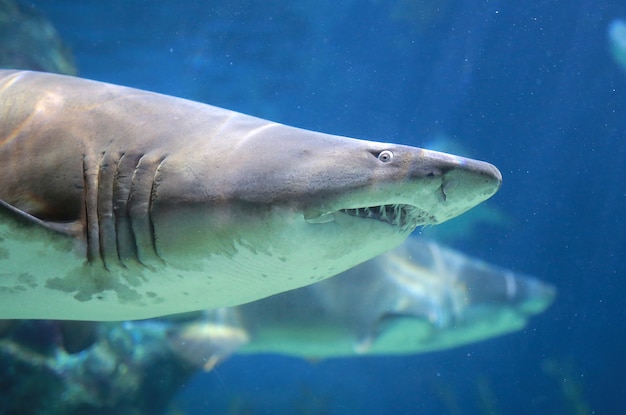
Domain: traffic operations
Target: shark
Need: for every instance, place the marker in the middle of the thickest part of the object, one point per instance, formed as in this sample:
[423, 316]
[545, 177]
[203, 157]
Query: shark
[419, 297]
[121, 204]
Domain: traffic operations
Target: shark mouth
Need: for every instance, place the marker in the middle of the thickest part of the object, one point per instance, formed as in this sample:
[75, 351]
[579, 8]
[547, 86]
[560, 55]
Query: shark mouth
[406, 217]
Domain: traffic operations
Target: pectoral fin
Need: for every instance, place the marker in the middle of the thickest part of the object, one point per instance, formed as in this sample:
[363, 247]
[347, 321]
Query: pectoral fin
[17, 225]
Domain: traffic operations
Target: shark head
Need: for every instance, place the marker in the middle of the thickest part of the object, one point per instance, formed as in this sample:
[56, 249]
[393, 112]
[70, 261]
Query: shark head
[323, 177]
[406, 187]
[444, 299]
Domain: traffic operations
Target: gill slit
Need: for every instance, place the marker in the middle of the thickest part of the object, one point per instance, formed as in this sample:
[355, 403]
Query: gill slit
[115, 208]
[91, 232]
[150, 202]
[139, 205]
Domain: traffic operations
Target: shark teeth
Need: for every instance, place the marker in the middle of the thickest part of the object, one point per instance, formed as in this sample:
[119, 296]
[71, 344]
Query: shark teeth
[406, 217]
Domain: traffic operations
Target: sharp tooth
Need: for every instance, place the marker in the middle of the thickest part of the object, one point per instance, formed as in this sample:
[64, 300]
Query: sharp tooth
[396, 215]
[383, 213]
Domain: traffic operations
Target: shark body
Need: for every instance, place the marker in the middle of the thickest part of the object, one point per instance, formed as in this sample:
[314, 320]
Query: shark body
[117, 203]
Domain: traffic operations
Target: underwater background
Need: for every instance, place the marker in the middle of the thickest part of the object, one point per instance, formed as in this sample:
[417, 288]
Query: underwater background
[535, 88]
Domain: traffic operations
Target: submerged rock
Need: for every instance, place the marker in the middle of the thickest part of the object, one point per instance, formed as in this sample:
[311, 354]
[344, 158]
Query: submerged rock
[124, 371]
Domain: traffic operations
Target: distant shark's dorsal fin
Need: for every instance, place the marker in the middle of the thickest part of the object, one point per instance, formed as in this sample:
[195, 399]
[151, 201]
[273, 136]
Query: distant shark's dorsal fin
[73, 229]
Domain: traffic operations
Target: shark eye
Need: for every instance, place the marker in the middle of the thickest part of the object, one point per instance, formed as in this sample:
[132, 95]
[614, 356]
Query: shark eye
[385, 156]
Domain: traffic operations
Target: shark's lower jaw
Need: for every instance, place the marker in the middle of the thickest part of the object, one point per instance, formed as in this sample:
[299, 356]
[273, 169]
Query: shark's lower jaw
[405, 217]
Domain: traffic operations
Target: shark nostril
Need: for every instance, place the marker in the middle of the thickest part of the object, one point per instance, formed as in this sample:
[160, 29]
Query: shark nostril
[447, 187]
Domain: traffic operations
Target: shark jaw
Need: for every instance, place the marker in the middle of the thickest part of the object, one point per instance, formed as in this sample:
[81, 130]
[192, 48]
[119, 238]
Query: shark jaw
[405, 217]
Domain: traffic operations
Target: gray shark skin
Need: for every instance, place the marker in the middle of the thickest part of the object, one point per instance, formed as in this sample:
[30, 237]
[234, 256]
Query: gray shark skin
[417, 298]
[117, 203]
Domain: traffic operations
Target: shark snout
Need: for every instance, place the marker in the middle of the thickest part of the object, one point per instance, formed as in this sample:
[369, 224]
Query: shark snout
[464, 183]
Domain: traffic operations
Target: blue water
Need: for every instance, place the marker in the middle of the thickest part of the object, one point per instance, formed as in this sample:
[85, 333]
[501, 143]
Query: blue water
[529, 86]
